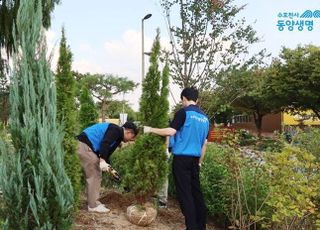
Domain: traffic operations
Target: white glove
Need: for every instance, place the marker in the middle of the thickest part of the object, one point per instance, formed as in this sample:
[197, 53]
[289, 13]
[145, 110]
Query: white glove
[146, 129]
[167, 153]
[104, 166]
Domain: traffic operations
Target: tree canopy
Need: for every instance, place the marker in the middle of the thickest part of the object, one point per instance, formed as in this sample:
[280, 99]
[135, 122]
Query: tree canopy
[8, 20]
[295, 79]
[104, 86]
[249, 90]
[88, 113]
[209, 39]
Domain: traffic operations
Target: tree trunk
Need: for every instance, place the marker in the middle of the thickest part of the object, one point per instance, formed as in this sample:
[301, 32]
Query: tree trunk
[5, 108]
[258, 122]
[103, 110]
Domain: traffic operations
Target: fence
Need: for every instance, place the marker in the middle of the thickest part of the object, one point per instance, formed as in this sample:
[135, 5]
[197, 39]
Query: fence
[218, 134]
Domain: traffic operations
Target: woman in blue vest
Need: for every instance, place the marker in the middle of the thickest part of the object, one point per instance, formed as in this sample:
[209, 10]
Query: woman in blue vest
[190, 127]
[96, 144]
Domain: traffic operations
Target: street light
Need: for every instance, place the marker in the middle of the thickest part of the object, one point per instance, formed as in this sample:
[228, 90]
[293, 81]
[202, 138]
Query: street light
[142, 42]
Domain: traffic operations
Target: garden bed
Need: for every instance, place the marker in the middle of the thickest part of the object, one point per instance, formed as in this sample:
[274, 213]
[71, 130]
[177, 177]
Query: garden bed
[167, 219]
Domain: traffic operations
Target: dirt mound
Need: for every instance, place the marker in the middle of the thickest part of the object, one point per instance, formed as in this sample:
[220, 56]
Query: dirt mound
[172, 214]
[116, 200]
[170, 218]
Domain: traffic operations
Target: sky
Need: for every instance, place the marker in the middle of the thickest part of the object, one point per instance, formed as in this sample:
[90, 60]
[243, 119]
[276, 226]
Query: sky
[105, 36]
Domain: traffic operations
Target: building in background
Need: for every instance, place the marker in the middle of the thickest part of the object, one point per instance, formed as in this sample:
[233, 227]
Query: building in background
[280, 122]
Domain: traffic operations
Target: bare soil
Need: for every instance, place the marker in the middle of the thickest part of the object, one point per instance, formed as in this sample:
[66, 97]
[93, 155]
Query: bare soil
[170, 218]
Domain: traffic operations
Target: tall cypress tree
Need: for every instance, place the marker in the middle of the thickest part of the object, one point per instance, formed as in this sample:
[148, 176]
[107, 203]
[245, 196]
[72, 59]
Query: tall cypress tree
[148, 164]
[154, 105]
[163, 113]
[88, 113]
[66, 114]
[37, 193]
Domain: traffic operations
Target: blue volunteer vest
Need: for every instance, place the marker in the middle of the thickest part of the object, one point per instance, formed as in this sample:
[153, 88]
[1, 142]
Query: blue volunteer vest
[190, 138]
[95, 134]
[171, 141]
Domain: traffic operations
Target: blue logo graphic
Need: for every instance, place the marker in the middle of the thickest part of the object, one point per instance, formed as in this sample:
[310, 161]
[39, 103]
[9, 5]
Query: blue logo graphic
[295, 21]
[316, 14]
[307, 14]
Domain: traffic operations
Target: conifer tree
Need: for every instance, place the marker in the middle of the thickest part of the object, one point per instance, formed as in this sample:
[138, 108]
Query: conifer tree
[154, 105]
[37, 193]
[147, 165]
[66, 114]
[88, 114]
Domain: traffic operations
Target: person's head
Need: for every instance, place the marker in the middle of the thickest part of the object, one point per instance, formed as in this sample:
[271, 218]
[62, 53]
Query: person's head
[189, 96]
[130, 131]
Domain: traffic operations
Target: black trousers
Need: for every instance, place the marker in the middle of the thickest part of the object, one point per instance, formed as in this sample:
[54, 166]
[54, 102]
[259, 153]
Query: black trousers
[186, 177]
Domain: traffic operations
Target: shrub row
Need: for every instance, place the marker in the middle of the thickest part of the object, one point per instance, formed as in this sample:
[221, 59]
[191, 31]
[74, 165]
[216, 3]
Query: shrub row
[273, 189]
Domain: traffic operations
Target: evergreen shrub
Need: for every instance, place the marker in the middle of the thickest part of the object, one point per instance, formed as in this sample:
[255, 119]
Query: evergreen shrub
[145, 168]
[213, 175]
[37, 193]
[147, 165]
[66, 115]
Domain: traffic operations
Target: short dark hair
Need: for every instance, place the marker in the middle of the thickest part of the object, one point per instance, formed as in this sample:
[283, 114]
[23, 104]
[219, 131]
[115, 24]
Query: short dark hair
[132, 126]
[190, 93]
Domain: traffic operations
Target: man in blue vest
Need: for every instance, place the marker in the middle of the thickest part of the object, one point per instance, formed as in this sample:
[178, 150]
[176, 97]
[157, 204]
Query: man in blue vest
[190, 127]
[96, 144]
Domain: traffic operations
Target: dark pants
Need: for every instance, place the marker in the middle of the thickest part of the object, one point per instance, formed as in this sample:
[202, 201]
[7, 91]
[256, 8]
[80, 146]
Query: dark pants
[186, 177]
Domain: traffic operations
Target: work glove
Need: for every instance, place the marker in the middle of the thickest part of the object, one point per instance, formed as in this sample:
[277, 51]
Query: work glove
[146, 129]
[104, 166]
[167, 153]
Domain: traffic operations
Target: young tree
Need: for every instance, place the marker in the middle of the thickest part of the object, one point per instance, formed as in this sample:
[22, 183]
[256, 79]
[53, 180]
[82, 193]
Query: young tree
[147, 164]
[208, 40]
[88, 114]
[66, 114]
[37, 193]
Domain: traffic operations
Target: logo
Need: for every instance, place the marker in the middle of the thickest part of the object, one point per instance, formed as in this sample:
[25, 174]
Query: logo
[294, 21]
[310, 14]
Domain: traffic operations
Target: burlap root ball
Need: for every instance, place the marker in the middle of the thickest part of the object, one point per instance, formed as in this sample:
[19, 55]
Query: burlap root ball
[141, 216]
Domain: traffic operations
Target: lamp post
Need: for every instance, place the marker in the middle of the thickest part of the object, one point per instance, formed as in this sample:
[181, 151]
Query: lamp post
[142, 42]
